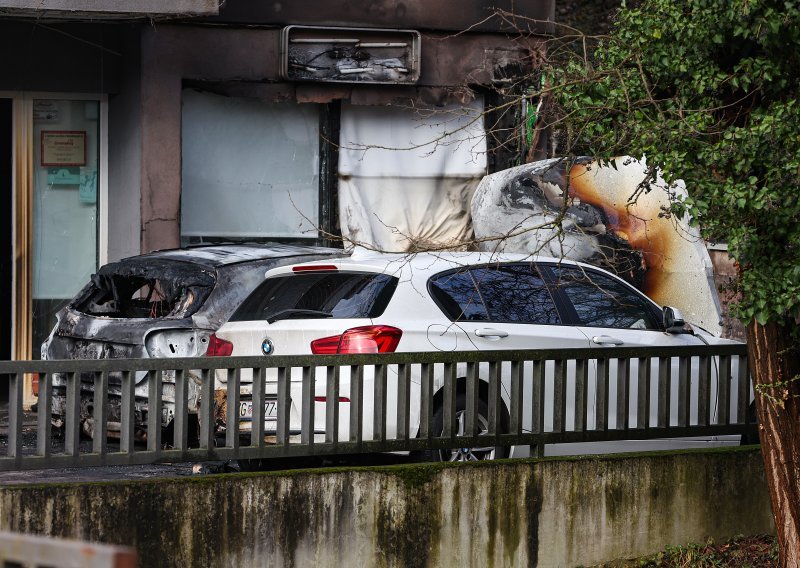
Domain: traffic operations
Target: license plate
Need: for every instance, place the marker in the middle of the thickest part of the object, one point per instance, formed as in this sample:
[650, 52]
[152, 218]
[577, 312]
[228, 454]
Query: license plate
[270, 410]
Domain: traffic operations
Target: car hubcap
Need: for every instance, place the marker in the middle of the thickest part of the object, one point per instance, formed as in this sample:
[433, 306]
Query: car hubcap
[470, 454]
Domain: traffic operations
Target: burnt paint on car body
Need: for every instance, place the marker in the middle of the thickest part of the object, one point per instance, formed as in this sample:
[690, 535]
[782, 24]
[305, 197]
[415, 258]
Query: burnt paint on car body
[227, 270]
[219, 277]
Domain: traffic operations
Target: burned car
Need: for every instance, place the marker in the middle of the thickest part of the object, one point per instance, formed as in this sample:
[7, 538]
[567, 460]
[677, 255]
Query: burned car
[616, 215]
[162, 304]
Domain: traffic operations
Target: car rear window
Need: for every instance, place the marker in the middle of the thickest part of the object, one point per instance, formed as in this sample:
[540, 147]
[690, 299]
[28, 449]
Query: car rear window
[151, 288]
[341, 295]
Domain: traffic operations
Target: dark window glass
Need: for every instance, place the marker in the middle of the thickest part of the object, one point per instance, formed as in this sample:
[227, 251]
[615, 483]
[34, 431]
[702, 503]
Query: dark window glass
[323, 294]
[601, 301]
[152, 288]
[504, 293]
[457, 296]
[515, 293]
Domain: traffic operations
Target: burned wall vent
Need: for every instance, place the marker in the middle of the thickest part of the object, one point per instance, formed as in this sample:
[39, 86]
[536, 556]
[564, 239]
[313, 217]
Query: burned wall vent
[350, 55]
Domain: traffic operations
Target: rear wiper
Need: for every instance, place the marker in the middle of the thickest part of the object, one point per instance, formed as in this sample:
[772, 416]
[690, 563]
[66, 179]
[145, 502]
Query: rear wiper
[293, 313]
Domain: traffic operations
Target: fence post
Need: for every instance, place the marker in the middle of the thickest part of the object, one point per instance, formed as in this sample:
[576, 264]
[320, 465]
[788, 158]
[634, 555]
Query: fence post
[100, 414]
[44, 425]
[307, 418]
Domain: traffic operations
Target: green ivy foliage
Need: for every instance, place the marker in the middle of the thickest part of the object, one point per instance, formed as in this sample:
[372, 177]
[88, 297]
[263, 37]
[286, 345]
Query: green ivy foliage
[707, 90]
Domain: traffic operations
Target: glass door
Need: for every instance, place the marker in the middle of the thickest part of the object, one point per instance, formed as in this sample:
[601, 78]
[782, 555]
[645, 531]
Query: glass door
[52, 161]
[64, 206]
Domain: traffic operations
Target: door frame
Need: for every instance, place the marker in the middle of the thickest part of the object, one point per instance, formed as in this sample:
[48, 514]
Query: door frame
[22, 213]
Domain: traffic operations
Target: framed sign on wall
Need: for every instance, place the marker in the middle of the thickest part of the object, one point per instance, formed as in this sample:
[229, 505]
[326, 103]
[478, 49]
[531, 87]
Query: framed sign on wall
[63, 148]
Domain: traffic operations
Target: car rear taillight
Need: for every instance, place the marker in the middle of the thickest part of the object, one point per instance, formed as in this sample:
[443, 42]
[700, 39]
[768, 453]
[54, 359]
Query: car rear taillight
[326, 345]
[324, 399]
[218, 347]
[365, 339]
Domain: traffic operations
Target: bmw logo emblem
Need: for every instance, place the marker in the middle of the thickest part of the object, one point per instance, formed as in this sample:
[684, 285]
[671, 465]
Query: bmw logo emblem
[267, 347]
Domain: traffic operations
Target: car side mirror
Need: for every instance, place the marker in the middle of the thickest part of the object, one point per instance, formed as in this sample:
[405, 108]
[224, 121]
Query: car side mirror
[673, 320]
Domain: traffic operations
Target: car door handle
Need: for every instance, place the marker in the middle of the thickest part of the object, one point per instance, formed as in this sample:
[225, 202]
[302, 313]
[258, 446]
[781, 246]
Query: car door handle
[606, 340]
[489, 332]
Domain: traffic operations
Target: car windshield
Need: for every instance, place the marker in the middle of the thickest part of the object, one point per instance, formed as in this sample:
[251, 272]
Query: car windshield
[340, 295]
[152, 289]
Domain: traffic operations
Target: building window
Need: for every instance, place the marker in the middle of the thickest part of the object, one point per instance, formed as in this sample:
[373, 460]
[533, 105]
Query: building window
[250, 169]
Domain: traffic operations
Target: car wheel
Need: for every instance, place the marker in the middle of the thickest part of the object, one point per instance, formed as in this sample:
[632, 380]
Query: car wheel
[467, 454]
[275, 464]
[192, 433]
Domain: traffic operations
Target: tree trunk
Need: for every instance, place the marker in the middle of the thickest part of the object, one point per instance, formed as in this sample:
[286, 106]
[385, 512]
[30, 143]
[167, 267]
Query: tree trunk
[774, 356]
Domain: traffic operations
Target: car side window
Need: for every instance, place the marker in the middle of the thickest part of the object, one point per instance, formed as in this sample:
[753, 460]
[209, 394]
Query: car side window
[516, 293]
[602, 301]
[512, 293]
[457, 296]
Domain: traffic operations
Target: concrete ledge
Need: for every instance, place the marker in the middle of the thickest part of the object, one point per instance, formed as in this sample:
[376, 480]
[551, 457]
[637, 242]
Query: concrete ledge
[129, 8]
[550, 512]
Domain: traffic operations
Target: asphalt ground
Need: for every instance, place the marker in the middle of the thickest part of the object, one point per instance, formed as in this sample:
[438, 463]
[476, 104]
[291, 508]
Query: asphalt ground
[110, 473]
[151, 471]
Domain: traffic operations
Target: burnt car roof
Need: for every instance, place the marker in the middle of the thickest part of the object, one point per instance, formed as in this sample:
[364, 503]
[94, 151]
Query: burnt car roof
[213, 256]
[195, 288]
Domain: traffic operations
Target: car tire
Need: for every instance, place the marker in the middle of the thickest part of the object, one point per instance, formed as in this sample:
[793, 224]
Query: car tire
[466, 454]
[252, 465]
[193, 432]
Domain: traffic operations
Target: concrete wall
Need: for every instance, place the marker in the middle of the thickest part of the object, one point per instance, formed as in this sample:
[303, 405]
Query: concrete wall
[517, 513]
[66, 58]
[109, 8]
[125, 154]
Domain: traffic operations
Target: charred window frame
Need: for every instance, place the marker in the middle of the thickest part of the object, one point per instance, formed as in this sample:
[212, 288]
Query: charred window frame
[141, 297]
[329, 123]
[504, 141]
[511, 121]
[149, 288]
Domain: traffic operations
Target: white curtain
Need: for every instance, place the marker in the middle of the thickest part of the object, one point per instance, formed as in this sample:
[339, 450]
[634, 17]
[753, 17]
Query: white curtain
[406, 175]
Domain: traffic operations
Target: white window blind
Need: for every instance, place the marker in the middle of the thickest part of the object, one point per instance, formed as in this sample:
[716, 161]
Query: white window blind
[249, 168]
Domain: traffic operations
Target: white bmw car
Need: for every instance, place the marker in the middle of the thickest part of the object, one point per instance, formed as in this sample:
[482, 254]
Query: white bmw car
[378, 303]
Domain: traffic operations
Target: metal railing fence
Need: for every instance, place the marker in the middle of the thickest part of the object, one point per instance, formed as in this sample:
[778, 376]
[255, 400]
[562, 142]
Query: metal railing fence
[346, 404]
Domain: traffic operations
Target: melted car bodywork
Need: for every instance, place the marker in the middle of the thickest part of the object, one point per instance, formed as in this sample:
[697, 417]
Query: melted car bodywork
[155, 290]
[616, 216]
[161, 304]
